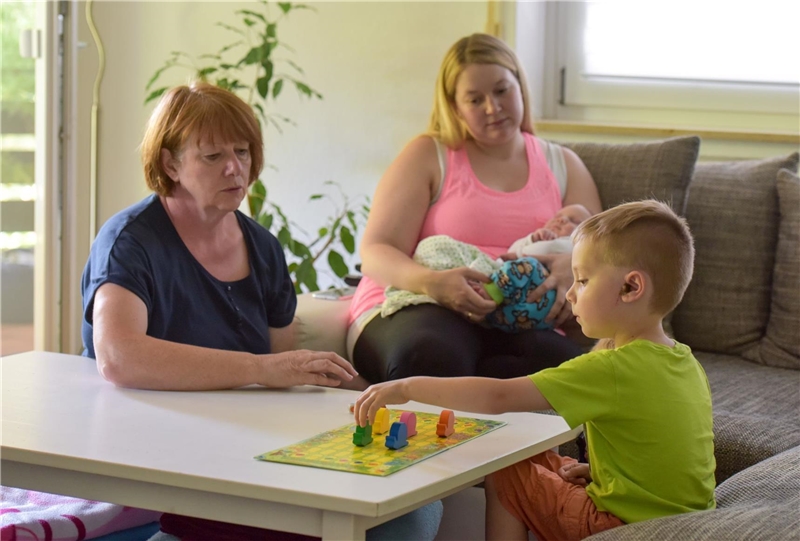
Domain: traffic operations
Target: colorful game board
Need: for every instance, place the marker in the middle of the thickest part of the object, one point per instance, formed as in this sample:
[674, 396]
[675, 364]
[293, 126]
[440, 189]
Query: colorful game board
[334, 450]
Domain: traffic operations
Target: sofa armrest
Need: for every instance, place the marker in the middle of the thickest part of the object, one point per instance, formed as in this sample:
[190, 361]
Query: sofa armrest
[322, 324]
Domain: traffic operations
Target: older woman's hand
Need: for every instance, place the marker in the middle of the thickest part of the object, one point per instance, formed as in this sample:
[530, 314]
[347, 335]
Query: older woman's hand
[304, 367]
[560, 279]
[452, 289]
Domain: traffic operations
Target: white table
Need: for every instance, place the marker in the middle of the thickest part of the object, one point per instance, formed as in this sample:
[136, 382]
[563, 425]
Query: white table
[67, 431]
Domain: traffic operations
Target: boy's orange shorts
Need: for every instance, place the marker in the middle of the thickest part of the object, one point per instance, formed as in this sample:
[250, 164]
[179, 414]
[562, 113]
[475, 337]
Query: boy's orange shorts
[552, 508]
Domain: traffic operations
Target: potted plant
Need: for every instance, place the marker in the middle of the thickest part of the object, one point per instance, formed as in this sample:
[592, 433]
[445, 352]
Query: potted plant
[250, 67]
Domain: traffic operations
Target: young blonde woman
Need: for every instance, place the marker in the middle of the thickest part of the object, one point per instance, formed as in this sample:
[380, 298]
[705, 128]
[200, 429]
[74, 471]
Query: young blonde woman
[481, 177]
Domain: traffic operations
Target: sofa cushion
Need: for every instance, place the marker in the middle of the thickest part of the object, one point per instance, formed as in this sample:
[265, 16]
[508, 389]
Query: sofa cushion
[741, 441]
[770, 481]
[759, 503]
[322, 323]
[732, 209]
[746, 388]
[780, 346]
[653, 170]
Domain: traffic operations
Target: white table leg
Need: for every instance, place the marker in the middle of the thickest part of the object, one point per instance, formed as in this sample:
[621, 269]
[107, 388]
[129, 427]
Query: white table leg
[342, 527]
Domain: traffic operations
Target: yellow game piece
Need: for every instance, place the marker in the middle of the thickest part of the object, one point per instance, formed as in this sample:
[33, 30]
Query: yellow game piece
[381, 424]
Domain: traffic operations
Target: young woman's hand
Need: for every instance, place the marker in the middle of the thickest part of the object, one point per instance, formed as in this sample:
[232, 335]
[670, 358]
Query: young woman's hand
[452, 289]
[379, 396]
[577, 473]
[560, 279]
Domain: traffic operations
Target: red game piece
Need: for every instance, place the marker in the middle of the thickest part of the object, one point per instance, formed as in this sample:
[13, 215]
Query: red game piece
[446, 425]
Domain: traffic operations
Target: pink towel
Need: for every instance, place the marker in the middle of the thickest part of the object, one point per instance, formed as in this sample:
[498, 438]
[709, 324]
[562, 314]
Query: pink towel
[26, 515]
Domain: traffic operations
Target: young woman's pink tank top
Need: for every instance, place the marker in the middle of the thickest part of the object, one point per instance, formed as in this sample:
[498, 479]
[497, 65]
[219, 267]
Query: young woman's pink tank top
[468, 211]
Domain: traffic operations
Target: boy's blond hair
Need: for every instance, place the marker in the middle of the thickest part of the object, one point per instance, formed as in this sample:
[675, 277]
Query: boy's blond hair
[445, 124]
[645, 235]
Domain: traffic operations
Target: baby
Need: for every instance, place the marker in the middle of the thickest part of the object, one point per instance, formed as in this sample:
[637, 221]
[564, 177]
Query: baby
[553, 237]
[513, 280]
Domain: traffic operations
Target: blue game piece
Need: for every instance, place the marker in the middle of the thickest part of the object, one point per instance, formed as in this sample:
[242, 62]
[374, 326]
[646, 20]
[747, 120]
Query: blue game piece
[398, 436]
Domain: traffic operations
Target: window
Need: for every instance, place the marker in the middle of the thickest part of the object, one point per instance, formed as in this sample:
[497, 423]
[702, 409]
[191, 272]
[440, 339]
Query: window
[701, 56]
[17, 190]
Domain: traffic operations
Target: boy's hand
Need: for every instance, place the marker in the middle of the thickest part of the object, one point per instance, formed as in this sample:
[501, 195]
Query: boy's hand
[576, 473]
[378, 396]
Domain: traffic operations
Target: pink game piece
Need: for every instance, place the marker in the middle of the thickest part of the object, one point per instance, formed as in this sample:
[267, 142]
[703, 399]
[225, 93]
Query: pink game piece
[410, 419]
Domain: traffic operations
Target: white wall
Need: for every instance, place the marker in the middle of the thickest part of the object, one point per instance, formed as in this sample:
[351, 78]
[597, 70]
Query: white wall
[374, 62]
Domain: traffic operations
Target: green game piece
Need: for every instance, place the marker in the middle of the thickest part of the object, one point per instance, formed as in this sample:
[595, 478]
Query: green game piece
[363, 435]
[494, 292]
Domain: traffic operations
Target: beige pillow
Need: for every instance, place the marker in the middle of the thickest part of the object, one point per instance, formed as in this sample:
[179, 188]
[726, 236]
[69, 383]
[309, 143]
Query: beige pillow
[732, 210]
[653, 170]
[780, 346]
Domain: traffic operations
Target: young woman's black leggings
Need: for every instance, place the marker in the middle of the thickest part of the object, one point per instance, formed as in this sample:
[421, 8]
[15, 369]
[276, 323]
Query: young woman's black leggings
[429, 340]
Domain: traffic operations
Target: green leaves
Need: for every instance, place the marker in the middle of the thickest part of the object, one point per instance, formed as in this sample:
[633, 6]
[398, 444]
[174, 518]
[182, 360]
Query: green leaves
[336, 261]
[249, 67]
[256, 40]
[307, 90]
[306, 253]
[348, 240]
[155, 94]
[263, 86]
[256, 198]
[276, 88]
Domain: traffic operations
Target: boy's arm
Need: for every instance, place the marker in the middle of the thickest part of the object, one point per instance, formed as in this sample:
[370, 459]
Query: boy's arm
[477, 395]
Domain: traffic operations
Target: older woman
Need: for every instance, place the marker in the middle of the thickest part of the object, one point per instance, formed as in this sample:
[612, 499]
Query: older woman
[184, 292]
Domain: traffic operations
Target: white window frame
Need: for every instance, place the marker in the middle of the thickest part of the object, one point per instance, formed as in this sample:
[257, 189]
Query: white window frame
[586, 90]
[547, 37]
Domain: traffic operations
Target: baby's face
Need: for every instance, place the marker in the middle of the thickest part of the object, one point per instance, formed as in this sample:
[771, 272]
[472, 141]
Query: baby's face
[567, 219]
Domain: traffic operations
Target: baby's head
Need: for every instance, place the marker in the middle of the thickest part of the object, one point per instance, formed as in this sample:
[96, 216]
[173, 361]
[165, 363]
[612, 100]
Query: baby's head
[567, 219]
[646, 236]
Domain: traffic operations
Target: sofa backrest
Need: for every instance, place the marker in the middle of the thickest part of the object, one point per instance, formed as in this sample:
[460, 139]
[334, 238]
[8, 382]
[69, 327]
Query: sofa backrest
[654, 170]
[733, 212]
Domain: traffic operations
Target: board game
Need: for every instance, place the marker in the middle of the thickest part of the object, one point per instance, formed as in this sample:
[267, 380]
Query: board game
[334, 450]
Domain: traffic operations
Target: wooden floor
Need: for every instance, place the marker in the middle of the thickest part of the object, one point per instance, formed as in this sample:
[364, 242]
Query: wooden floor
[15, 339]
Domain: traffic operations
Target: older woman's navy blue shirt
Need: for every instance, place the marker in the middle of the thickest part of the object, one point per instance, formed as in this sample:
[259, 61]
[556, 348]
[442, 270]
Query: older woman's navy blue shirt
[140, 250]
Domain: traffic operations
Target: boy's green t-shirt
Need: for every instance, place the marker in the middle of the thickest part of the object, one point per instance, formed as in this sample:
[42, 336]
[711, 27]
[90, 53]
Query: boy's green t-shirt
[649, 427]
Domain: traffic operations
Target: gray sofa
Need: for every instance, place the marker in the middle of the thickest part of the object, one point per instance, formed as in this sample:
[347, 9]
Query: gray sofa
[740, 316]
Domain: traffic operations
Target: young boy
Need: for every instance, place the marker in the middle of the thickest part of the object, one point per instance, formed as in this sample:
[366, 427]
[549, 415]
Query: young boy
[646, 404]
